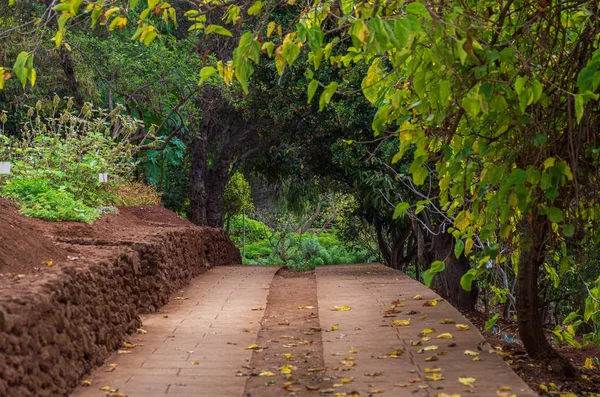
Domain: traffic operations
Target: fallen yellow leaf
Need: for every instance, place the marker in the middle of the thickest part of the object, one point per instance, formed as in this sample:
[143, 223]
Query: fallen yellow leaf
[418, 297]
[396, 353]
[105, 388]
[341, 308]
[429, 348]
[447, 321]
[195, 362]
[432, 358]
[434, 377]
[352, 351]
[253, 347]
[180, 298]
[568, 394]
[288, 356]
[588, 364]
[432, 370]
[467, 381]
[427, 331]
[266, 373]
[306, 307]
[123, 351]
[346, 380]
[87, 382]
[48, 263]
[398, 323]
[462, 327]
[430, 303]
[128, 345]
[376, 391]
[471, 353]
[141, 331]
[504, 388]
[446, 335]
[286, 369]
[335, 327]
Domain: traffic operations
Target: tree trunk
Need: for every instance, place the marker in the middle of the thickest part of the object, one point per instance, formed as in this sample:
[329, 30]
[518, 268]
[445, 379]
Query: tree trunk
[197, 188]
[69, 70]
[447, 283]
[531, 330]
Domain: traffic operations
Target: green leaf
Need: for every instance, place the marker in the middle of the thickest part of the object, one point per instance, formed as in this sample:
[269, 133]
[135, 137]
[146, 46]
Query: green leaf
[466, 281]
[269, 46]
[327, 94]
[489, 324]
[400, 209]
[256, 7]
[133, 4]
[205, 73]
[579, 107]
[418, 9]
[458, 248]
[436, 267]
[520, 84]
[554, 214]
[312, 88]
[568, 230]
[419, 175]
[218, 30]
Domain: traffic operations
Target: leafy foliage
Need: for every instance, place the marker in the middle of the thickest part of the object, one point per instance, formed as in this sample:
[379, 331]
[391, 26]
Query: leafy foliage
[57, 159]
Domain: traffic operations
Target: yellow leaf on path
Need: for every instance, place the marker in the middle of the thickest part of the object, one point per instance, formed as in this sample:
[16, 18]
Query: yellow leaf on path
[315, 369]
[253, 347]
[288, 356]
[286, 369]
[48, 263]
[348, 363]
[429, 348]
[258, 308]
[352, 351]
[448, 321]
[432, 358]
[335, 327]
[430, 303]
[427, 331]
[306, 307]
[396, 353]
[432, 370]
[462, 327]
[87, 382]
[346, 380]
[471, 353]
[289, 386]
[376, 391]
[467, 381]
[434, 377]
[266, 373]
[128, 345]
[105, 388]
[123, 351]
[141, 331]
[341, 308]
[426, 338]
[446, 335]
[417, 343]
[504, 388]
[180, 298]
[196, 362]
[418, 297]
[588, 364]
[398, 323]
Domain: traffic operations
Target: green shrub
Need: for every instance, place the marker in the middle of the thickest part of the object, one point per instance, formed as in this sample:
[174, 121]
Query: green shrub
[56, 161]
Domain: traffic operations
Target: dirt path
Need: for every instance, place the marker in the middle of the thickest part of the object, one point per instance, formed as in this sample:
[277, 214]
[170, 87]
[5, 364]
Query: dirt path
[359, 330]
[290, 338]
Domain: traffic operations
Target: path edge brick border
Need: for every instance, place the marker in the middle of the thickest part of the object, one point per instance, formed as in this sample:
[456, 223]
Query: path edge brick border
[58, 328]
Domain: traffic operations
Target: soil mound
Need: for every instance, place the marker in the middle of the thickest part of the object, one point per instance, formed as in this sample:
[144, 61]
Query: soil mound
[23, 247]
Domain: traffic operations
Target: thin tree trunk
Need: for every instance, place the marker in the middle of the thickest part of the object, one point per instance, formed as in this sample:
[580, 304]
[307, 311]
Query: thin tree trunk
[69, 70]
[531, 330]
[197, 188]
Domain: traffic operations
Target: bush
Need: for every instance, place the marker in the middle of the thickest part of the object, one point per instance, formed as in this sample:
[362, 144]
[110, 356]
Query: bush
[131, 193]
[56, 161]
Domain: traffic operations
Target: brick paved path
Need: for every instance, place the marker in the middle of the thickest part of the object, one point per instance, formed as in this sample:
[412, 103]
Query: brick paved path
[370, 290]
[195, 345]
[185, 351]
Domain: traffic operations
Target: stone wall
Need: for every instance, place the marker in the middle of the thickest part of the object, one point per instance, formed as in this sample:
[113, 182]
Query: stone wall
[55, 329]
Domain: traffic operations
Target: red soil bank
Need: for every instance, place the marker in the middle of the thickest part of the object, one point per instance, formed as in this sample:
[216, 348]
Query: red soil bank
[57, 322]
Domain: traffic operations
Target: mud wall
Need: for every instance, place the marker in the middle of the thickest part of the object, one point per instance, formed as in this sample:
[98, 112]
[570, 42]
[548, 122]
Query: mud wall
[56, 329]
